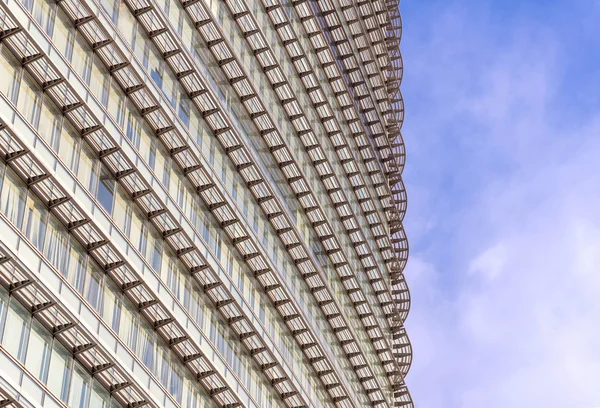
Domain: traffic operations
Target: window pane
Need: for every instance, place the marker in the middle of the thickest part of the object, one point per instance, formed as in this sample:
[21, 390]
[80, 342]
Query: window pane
[10, 68]
[56, 244]
[29, 102]
[106, 191]
[75, 270]
[39, 351]
[80, 388]
[16, 330]
[34, 226]
[12, 199]
[99, 397]
[67, 147]
[60, 367]
[93, 288]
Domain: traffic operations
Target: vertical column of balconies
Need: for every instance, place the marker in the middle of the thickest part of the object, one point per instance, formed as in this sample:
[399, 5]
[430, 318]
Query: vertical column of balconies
[334, 28]
[345, 38]
[393, 32]
[366, 33]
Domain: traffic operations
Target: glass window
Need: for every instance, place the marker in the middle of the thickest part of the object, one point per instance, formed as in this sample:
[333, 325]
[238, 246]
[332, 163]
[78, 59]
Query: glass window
[34, 226]
[110, 7]
[63, 34]
[99, 397]
[116, 103]
[60, 367]
[106, 190]
[99, 83]
[81, 61]
[16, 330]
[12, 199]
[29, 101]
[93, 288]
[39, 351]
[50, 119]
[3, 306]
[9, 85]
[184, 110]
[68, 146]
[43, 12]
[86, 172]
[146, 349]
[56, 244]
[126, 24]
[111, 306]
[122, 209]
[80, 388]
[76, 264]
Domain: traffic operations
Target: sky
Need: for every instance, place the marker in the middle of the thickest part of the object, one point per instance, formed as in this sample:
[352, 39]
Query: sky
[502, 129]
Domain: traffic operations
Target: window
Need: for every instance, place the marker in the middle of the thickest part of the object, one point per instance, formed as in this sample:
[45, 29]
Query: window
[99, 397]
[106, 190]
[39, 351]
[68, 146]
[49, 127]
[12, 199]
[86, 171]
[56, 244]
[34, 225]
[9, 85]
[75, 266]
[80, 388]
[63, 34]
[184, 110]
[93, 288]
[44, 14]
[110, 7]
[16, 330]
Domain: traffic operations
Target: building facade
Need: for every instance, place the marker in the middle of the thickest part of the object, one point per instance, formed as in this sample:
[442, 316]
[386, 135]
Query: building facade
[201, 204]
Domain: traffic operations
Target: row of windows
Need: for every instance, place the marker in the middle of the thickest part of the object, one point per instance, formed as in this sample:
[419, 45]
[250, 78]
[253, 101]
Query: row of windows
[27, 340]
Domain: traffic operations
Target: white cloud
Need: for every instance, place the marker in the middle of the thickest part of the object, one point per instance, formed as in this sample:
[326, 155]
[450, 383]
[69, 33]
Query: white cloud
[504, 221]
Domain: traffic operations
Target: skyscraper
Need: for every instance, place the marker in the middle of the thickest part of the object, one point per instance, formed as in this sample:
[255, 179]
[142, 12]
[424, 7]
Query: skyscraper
[201, 204]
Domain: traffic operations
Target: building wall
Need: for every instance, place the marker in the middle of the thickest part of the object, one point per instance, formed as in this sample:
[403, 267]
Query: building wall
[224, 226]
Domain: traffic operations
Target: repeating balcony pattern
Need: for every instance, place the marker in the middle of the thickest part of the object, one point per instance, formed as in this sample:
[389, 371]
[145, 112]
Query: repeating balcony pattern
[320, 154]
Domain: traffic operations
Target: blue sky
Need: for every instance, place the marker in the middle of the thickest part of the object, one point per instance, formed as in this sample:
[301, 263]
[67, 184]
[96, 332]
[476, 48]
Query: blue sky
[502, 129]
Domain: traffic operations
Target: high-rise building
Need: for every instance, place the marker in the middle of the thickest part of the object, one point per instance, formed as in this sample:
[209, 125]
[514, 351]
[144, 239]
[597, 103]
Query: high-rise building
[201, 204]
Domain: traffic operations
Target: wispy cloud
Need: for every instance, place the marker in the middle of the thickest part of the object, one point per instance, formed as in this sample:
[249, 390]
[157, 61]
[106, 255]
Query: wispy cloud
[504, 155]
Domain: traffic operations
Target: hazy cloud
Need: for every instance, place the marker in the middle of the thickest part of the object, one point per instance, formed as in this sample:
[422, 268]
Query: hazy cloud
[502, 135]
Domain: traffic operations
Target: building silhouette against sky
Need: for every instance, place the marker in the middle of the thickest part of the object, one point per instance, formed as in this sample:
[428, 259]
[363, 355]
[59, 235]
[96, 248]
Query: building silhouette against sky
[201, 204]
